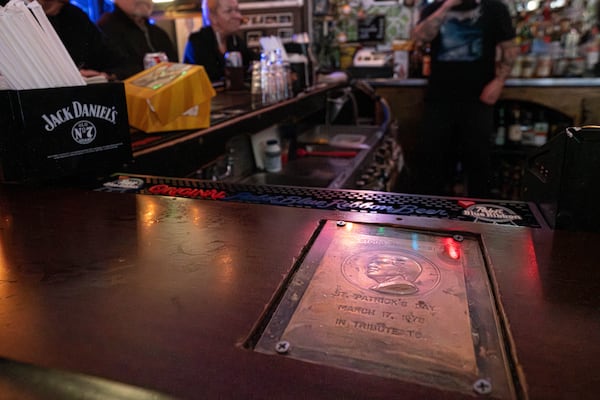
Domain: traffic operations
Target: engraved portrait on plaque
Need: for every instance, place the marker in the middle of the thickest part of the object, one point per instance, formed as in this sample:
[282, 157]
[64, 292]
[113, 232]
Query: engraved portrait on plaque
[394, 273]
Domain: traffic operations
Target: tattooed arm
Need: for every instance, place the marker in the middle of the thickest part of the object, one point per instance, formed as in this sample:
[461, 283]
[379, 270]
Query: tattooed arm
[508, 53]
[427, 30]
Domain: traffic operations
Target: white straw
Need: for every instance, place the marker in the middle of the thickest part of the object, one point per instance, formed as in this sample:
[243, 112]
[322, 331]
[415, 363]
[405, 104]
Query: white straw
[32, 54]
[10, 61]
[24, 44]
[6, 65]
[52, 39]
[44, 52]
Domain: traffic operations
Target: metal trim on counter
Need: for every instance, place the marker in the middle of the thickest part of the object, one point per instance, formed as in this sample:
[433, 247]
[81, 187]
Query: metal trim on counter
[553, 82]
[28, 381]
[264, 5]
[534, 82]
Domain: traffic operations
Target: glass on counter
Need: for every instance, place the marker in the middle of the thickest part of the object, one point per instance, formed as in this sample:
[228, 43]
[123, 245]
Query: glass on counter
[271, 77]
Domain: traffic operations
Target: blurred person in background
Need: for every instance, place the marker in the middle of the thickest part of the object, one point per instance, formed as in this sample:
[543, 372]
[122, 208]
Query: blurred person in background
[472, 53]
[221, 20]
[129, 29]
[88, 47]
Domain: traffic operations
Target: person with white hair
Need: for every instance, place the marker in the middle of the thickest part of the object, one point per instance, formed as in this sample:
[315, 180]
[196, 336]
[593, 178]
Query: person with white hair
[221, 20]
[129, 29]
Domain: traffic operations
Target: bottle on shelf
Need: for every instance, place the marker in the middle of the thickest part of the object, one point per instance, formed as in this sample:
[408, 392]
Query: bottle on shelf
[500, 137]
[514, 133]
[524, 35]
[426, 61]
[541, 128]
[415, 64]
[527, 132]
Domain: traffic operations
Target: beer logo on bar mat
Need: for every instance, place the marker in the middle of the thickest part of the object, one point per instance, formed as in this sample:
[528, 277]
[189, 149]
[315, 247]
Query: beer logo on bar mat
[125, 183]
[491, 213]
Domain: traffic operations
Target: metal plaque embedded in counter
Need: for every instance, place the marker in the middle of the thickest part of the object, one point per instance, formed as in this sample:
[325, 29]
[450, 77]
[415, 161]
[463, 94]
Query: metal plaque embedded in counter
[406, 304]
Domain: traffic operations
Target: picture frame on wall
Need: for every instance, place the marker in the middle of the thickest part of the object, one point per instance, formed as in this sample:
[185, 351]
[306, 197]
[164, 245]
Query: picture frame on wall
[285, 34]
[255, 20]
[271, 19]
[320, 7]
[286, 19]
[253, 38]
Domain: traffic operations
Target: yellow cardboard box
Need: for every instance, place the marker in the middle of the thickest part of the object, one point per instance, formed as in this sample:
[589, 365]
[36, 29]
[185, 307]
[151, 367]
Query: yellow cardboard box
[169, 97]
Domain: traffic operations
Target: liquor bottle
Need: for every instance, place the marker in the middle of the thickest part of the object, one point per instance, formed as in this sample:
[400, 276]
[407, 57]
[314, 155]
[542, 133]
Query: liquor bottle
[514, 134]
[527, 133]
[541, 129]
[415, 63]
[426, 61]
[500, 138]
[524, 35]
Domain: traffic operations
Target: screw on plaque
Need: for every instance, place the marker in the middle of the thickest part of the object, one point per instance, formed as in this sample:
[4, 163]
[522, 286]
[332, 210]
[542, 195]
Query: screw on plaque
[282, 347]
[341, 223]
[482, 386]
[458, 238]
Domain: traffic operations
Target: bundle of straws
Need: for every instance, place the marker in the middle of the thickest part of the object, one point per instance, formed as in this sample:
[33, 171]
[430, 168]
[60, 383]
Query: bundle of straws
[32, 56]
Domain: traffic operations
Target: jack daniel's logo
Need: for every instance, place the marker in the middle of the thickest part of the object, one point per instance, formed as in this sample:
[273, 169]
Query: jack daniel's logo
[83, 132]
[79, 110]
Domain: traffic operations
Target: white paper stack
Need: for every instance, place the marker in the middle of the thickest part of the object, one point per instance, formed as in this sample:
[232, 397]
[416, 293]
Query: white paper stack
[269, 44]
[32, 56]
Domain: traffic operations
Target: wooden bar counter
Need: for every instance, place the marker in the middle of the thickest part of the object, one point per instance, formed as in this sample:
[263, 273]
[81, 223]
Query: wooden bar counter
[566, 95]
[562, 94]
[150, 286]
[162, 292]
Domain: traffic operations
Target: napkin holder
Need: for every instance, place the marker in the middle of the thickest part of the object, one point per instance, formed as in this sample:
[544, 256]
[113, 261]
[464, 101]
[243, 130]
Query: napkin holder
[53, 133]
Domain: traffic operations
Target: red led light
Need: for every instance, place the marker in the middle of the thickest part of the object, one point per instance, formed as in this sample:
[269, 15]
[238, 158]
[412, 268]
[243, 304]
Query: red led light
[452, 248]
